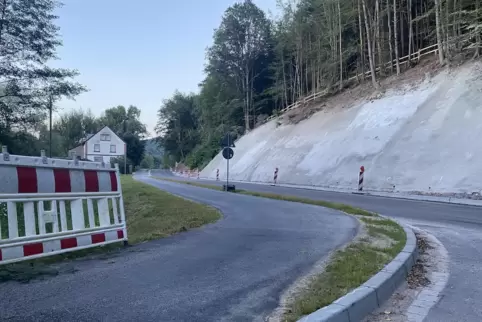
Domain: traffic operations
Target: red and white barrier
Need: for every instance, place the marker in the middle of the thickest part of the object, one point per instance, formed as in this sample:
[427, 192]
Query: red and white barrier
[64, 205]
[275, 177]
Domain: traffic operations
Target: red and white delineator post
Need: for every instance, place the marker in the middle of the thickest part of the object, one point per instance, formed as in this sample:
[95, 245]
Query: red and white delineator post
[217, 175]
[275, 177]
[52, 206]
[360, 178]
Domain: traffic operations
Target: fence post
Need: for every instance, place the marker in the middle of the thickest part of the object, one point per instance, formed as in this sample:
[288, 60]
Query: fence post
[44, 157]
[6, 155]
[360, 178]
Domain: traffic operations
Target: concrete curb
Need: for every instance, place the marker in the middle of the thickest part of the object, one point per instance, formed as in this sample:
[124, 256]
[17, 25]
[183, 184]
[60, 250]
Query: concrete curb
[360, 302]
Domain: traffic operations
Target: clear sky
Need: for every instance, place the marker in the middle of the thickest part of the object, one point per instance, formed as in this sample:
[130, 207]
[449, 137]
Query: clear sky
[137, 52]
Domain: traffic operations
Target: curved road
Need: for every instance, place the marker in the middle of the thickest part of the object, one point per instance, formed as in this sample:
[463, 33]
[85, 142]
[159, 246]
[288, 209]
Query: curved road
[233, 270]
[458, 227]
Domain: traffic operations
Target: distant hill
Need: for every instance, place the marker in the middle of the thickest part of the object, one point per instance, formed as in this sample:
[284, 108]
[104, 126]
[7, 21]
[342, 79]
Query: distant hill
[153, 148]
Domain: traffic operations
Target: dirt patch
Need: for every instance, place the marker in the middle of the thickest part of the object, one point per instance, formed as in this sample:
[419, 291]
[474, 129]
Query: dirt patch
[431, 261]
[362, 91]
[418, 276]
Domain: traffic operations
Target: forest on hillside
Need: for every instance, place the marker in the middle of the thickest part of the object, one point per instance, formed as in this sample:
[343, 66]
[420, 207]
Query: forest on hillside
[256, 66]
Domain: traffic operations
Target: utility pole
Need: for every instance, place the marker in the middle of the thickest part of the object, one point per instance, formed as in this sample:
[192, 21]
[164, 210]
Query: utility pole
[50, 125]
[125, 146]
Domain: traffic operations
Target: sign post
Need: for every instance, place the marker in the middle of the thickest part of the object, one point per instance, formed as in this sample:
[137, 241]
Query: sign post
[228, 154]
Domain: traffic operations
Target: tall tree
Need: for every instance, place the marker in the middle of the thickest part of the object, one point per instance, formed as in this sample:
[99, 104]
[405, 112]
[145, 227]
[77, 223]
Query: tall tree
[28, 41]
[74, 126]
[242, 40]
[123, 120]
[178, 125]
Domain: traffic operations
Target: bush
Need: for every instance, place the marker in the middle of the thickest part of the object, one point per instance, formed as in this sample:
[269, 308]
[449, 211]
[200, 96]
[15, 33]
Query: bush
[120, 161]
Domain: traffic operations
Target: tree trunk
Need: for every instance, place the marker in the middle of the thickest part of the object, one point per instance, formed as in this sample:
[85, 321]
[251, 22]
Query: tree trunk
[454, 22]
[370, 54]
[477, 34]
[439, 33]
[377, 29]
[410, 31]
[390, 36]
[341, 52]
[395, 33]
[446, 30]
[246, 103]
[285, 87]
[4, 9]
[362, 45]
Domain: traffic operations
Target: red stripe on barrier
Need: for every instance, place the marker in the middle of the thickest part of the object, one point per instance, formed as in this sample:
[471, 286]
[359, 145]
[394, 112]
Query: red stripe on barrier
[68, 243]
[113, 181]
[33, 249]
[27, 180]
[62, 180]
[91, 181]
[98, 238]
[120, 234]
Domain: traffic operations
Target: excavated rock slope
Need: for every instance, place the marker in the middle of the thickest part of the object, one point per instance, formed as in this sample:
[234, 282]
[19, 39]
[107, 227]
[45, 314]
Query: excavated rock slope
[425, 137]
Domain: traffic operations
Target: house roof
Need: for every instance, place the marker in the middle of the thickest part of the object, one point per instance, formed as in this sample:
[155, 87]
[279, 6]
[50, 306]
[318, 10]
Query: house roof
[90, 136]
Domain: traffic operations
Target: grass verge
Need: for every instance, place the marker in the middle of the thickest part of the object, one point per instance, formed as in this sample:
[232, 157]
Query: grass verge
[379, 242]
[150, 213]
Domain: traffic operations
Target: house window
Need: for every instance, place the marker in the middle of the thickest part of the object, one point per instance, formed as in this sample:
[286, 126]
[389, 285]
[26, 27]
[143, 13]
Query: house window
[112, 149]
[105, 137]
[96, 147]
[97, 159]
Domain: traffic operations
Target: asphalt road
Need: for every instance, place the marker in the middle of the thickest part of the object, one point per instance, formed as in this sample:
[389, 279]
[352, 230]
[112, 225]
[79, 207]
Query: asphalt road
[458, 227]
[232, 270]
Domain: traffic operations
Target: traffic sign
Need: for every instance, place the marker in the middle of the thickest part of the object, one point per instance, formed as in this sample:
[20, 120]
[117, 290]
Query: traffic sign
[228, 153]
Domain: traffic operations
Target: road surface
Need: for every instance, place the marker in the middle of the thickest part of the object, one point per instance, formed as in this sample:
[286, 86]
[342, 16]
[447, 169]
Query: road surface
[233, 270]
[458, 227]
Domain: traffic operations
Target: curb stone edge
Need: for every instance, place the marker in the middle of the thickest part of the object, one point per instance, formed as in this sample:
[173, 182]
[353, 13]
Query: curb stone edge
[372, 294]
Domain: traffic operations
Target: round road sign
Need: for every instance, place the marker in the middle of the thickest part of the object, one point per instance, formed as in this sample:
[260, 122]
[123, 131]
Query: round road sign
[228, 153]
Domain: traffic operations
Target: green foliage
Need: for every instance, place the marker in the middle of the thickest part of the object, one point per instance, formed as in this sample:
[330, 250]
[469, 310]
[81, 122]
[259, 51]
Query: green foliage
[123, 121]
[152, 147]
[123, 166]
[29, 39]
[147, 162]
[179, 124]
[232, 94]
[135, 148]
[73, 126]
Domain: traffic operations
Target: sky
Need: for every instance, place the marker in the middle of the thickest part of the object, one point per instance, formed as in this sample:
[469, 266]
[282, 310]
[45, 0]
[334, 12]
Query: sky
[137, 54]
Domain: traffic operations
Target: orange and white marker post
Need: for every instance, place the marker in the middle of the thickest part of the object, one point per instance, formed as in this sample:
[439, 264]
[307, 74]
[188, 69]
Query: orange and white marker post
[217, 175]
[360, 178]
[275, 176]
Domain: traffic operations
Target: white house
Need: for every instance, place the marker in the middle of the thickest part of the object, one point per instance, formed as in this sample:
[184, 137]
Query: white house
[101, 146]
